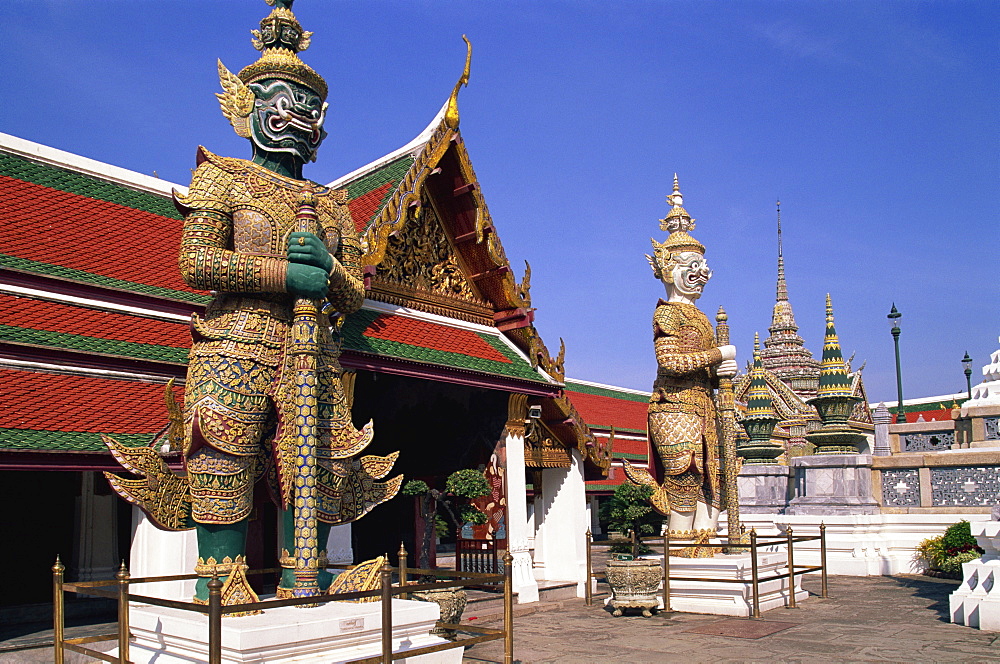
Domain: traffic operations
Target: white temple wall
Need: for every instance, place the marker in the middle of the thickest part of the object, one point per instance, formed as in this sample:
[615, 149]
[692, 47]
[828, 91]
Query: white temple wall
[560, 541]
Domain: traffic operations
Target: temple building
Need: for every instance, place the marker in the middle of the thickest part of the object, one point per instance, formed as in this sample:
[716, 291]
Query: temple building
[443, 359]
[792, 374]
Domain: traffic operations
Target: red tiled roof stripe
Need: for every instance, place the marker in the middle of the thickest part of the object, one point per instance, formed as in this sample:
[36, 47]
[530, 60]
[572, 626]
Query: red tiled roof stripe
[433, 336]
[627, 446]
[606, 412]
[53, 402]
[55, 317]
[366, 205]
[51, 226]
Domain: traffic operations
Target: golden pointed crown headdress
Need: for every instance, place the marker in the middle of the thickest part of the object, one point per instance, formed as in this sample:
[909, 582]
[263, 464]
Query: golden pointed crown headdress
[678, 222]
[280, 39]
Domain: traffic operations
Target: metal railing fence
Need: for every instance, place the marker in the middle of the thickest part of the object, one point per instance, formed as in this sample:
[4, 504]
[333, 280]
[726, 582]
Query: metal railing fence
[119, 589]
[754, 548]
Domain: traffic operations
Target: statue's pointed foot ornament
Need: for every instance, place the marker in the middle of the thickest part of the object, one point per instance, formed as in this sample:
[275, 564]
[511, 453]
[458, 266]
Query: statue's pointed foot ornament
[164, 496]
[660, 500]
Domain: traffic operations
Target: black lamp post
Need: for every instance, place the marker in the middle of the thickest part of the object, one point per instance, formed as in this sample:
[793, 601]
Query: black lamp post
[967, 361]
[893, 317]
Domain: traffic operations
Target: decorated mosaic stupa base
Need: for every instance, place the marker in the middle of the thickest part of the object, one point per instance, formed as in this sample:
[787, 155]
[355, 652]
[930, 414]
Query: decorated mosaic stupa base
[723, 598]
[334, 632]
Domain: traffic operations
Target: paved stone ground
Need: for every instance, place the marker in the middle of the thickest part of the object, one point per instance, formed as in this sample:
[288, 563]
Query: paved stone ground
[873, 619]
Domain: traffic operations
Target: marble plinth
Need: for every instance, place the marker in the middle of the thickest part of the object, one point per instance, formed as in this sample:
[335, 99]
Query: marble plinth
[830, 484]
[764, 488]
[334, 632]
[976, 603]
[730, 599]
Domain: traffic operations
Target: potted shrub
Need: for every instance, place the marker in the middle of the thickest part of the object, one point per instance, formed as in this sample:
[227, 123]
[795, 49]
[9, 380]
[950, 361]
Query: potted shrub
[945, 553]
[439, 510]
[634, 582]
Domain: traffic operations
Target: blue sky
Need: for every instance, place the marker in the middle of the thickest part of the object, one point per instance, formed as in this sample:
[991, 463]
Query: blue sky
[876, 124]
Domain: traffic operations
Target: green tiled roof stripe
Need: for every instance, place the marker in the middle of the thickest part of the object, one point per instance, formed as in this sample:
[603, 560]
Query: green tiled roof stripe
[27, 265]
[84, 343]
[604, 392]
[630, 456]
[920, 407]
[354, 339]
[65, 441]
[85, 185]
[391, 172]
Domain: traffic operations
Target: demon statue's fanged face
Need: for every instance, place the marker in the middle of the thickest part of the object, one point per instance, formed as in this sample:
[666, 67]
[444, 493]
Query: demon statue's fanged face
[287, 117]
[689, 272]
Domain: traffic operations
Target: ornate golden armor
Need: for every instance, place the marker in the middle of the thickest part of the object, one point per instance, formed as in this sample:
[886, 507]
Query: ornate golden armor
[682, 424]
[238, 216]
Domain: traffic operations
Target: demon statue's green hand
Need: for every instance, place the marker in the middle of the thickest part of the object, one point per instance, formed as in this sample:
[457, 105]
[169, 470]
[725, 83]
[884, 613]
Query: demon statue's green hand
[309, 265]
[308, 249]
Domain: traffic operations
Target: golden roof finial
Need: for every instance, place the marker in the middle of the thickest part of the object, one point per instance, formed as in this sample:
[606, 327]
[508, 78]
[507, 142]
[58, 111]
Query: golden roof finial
[829, 309]
[451, 114]
[756, 343]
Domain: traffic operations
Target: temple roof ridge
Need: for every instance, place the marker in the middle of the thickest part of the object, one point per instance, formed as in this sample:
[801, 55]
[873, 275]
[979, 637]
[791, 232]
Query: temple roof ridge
[410, 148]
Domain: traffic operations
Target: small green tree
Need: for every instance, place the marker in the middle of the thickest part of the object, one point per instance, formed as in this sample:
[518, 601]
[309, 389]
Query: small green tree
[629, 511]
[454, 503]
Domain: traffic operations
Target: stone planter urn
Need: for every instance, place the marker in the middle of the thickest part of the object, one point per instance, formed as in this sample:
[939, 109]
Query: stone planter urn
[634, 585]
[452, 603]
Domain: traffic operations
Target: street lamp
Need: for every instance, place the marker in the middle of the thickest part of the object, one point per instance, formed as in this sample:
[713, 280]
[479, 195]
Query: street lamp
[967, 361]
[893, 317]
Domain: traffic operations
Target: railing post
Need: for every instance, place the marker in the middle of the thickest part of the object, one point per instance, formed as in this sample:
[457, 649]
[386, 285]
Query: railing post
[58, 617]
[791, 570]
[215, 619]
[508, 609]
[754, 576]
[386, 613]
[587, 592]
[123, 631]
[403, 581]
[666, 570]
[822, 558]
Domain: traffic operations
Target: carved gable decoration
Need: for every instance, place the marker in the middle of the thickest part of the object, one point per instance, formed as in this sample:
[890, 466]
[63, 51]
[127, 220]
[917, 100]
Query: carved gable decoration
[421, 268]
[543, 450]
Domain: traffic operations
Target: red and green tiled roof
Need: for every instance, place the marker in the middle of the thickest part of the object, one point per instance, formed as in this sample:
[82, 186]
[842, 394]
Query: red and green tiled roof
[60, 223]
[62, 326]
[68, 413]
[605, 408]
[369, 193]
[433, 343]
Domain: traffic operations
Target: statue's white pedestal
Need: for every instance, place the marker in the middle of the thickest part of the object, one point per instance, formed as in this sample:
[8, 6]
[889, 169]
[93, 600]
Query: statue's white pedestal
[334, 632]
[976, 603]
[730, 599]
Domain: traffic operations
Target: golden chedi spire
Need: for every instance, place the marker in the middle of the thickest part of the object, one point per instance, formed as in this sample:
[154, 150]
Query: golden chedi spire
[784, 353]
